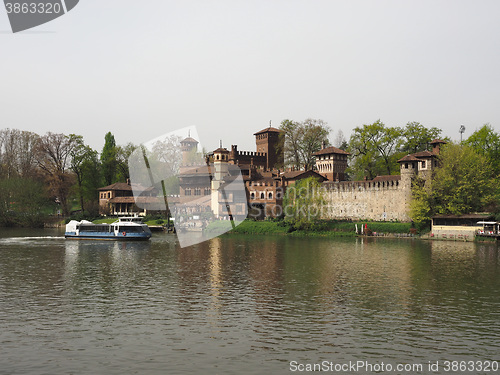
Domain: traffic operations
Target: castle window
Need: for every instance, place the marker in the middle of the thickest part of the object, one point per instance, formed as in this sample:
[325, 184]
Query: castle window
[270, 195]
[252, 195]
[187, 191]
[262, 195]
[197, 191]
[207, 191]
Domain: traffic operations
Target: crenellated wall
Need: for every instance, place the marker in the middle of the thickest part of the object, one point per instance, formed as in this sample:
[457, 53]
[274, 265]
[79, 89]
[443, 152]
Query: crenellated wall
[368, 200]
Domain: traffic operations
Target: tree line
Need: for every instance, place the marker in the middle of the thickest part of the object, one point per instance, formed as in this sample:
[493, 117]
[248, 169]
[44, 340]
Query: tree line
[54, 173]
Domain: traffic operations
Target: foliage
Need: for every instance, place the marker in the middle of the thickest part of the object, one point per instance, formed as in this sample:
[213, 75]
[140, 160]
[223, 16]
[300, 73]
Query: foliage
[417, 137]
[463, 184]
[420, 209]
[53, 156]
[303, 203]
[85, 165]
[23, 201]
[375, 150]
[122, 155]
[486, 142]
[17, 153]
[302, 140]
[109, 159]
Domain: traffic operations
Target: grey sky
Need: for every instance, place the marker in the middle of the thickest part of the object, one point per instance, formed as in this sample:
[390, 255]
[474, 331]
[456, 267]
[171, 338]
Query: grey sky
[143, 68]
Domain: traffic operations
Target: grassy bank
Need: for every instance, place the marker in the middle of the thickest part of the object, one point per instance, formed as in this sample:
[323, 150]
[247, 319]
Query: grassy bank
[322, 228]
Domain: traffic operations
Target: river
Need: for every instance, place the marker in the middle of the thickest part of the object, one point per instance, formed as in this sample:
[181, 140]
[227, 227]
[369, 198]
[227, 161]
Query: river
[245, 305]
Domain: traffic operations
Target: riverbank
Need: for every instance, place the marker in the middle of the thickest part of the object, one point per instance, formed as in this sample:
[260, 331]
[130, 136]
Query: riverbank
[320, 229]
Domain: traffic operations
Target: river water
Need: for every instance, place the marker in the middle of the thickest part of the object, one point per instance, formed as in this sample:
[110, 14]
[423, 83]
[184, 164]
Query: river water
[244, 305]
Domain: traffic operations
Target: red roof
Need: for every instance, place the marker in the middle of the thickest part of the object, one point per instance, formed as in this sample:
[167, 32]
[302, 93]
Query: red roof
[408, 158]
[267, 130]
[331, 150]
[189, 140]
[438, 141]
[117, 186]
[222, 150]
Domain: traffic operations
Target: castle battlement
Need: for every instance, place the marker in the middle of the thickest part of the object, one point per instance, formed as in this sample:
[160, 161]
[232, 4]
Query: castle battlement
[358, 186]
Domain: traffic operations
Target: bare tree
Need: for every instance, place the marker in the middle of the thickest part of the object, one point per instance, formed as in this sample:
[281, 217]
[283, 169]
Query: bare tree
[53, 156]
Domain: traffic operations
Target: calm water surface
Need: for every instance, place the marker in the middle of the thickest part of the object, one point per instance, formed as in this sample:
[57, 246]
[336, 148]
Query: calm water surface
[242, 305]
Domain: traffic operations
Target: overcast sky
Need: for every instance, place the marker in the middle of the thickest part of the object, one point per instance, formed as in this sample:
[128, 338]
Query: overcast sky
[143, 68]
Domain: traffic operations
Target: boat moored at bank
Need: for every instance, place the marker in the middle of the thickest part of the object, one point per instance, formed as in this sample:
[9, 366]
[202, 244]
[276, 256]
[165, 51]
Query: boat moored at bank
[124, 229]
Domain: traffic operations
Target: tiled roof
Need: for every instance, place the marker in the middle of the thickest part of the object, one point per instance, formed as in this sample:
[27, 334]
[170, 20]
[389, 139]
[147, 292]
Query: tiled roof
[269, 129]
[117, 186]
[424, 154]
[438, 141]
[189, 140]
[331, 150]
[294, 174]
[408, 158]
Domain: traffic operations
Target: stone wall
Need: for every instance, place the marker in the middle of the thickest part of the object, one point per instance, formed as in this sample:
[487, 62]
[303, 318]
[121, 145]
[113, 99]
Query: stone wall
[368, 200]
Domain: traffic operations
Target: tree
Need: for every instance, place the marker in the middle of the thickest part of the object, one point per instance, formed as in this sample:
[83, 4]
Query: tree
[53, 156]
[417, 137]
[302, 140]
[108, 159]
[486, 141]
[122, 155]
[17, 156]
[374, 149]
[461, 185]
[85, 165]
[340, 141]
[303, 203]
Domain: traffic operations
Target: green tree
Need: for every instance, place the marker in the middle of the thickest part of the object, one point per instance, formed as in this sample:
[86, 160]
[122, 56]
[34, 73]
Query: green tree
[85, 164]
[461, 185]
[109, 159]
[303, 203]
[302, 140]
[374, 149]
[417, 137]
[122, 155]
[486, 141]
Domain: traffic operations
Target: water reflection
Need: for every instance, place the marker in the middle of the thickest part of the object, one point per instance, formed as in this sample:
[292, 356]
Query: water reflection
[242, 304]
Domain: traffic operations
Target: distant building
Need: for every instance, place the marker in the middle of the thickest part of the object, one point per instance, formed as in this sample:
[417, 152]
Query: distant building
[118, 199]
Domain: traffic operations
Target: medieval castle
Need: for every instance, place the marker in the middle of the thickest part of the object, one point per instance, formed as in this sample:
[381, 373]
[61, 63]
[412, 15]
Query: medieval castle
[383, 198]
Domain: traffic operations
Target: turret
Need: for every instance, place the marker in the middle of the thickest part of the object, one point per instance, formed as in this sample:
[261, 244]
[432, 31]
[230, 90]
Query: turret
[189, 146]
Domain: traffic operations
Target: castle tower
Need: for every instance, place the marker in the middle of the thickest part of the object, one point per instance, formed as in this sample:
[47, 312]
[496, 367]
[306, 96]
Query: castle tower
[436, 146]
[268, 141]
[189, 147]
[409, 169]
[221, 170]
[331, 163]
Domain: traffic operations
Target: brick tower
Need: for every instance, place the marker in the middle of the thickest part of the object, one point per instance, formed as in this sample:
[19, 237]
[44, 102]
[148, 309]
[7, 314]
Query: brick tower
[269, 141]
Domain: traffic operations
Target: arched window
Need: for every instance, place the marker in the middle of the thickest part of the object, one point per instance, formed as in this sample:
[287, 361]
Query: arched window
[262, 195]
[207, 191]
[270, 195]
[197, 191]
[252, 195]
[188, 191]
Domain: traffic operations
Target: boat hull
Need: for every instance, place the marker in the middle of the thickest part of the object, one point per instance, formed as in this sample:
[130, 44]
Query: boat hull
[106, 237]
